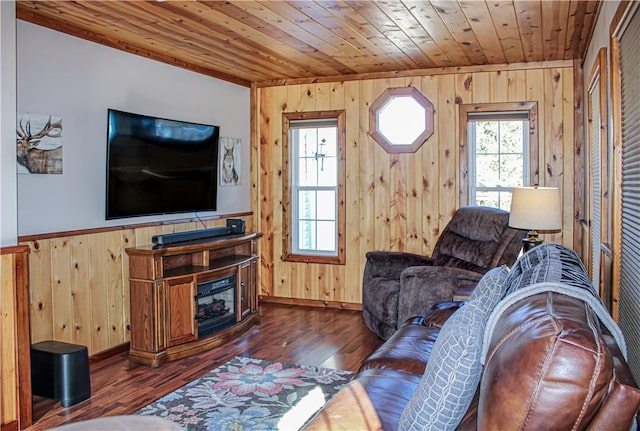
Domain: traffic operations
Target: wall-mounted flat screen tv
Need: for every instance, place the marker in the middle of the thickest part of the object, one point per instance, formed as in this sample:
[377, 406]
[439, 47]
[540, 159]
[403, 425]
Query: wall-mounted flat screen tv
[159, 166]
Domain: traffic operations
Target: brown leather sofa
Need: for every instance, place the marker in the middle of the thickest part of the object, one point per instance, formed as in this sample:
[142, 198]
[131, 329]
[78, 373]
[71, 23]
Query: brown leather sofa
[550, 365]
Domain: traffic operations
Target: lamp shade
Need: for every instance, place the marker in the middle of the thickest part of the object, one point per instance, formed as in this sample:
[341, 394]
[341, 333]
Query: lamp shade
[536, 208]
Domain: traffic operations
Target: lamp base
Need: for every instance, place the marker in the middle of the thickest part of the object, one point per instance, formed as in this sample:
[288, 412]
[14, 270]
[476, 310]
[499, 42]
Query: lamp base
[532, 240]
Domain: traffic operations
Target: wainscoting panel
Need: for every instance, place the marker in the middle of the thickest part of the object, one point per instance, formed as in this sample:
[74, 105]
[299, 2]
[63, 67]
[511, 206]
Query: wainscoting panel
[79, 283]
[400, 202]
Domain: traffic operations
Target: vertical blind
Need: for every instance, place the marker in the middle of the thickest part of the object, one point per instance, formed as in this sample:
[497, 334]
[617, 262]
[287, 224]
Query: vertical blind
[594, 141]
[630, 252]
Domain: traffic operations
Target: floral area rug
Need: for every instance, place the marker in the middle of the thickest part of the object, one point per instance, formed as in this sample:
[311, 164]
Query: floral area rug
[250, 394]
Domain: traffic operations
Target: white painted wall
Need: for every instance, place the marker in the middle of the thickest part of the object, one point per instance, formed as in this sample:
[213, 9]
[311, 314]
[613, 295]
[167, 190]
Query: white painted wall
[79, 80]
[600, 37]
[8, 187]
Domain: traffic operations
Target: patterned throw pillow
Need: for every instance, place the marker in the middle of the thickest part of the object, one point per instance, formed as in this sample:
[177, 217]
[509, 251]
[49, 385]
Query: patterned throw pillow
[492, 285]
[453, 372]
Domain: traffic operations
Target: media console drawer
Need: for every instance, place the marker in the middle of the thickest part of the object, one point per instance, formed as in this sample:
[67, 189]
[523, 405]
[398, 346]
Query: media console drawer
[190, 297]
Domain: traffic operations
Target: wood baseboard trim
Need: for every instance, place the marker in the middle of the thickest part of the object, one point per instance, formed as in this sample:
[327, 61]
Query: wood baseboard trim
[106, 354]
[10, 426]
[311, 302]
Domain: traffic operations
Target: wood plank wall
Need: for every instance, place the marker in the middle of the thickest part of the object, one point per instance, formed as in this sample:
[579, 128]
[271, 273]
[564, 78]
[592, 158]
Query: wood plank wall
[79, 283]
[399, 201]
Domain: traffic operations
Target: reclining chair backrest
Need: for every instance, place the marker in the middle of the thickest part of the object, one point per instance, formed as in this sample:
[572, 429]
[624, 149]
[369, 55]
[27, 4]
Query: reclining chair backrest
[478, 239]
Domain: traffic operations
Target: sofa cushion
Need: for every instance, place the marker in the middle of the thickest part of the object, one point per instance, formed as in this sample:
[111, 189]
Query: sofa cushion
[548, 366]
[453, 371]
[440, 313]
[551, 346]
[350, 409]
[389, 391]
[623, 398]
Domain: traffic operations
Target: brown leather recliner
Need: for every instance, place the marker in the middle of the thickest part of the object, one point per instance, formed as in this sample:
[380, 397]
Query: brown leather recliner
[398, 285]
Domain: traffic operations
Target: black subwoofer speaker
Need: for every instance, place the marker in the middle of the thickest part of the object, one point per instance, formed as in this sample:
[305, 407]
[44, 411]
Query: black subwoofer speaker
[60, 371]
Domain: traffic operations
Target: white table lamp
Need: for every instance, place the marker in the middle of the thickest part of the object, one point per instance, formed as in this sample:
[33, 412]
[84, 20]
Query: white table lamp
[535, 208]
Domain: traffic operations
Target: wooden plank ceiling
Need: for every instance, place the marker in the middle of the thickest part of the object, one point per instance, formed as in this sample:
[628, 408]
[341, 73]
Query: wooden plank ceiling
[246, 41]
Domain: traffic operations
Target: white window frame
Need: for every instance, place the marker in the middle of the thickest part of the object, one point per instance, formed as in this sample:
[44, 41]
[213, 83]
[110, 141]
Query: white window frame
[291, 187]
[294, 127]
[466, 111]
[496, 116]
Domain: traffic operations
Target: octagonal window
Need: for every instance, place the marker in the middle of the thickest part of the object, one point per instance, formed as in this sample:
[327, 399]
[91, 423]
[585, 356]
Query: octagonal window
[401, 120]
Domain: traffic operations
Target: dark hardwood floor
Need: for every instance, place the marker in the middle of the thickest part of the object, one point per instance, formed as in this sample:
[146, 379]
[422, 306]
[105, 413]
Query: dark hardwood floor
[321, 337]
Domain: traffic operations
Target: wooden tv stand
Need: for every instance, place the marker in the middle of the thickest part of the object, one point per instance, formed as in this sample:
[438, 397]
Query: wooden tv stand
[163, 288]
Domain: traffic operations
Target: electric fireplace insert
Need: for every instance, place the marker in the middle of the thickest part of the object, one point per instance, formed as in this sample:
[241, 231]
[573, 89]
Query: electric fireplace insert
[216, 304]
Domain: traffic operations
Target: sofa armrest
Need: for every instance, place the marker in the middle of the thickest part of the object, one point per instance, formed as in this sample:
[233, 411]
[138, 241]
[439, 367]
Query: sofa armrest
[390, 264]
[440, 312]
[423, 286]
[350, 409]
[436, 316]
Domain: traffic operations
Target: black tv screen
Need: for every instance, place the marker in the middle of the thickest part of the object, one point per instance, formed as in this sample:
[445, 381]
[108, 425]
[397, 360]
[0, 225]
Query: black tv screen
[159, 166]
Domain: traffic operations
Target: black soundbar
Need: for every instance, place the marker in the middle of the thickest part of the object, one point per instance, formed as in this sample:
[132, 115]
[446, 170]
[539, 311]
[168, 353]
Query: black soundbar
[170, 238]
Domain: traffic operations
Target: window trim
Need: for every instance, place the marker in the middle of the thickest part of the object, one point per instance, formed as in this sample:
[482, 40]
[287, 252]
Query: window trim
[598, 212]
[495, 116]
[467, 109]
[287, 248]
[381, 102]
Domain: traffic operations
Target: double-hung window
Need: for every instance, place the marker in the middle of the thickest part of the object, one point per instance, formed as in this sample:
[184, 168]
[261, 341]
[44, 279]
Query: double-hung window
[498, 156]
[314, 187]
[498, 143]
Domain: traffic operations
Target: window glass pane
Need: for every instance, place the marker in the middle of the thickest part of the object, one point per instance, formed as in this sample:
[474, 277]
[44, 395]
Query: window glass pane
[401, 120]
[307, 172]
[486, 137]
[328, 174]
[511, 136]
[487, 171]
[326, 205]
[327, 141]
[307, 235]
[485, 198]
[326, 236]
[307, 204]
[505, 200]
[511, 170]
[296, 142]
[496, 199]
[307, 142]
[498, 158]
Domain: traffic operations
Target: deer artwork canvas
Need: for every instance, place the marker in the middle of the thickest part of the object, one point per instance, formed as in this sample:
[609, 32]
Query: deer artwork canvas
[39, 144]
[229, 161]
